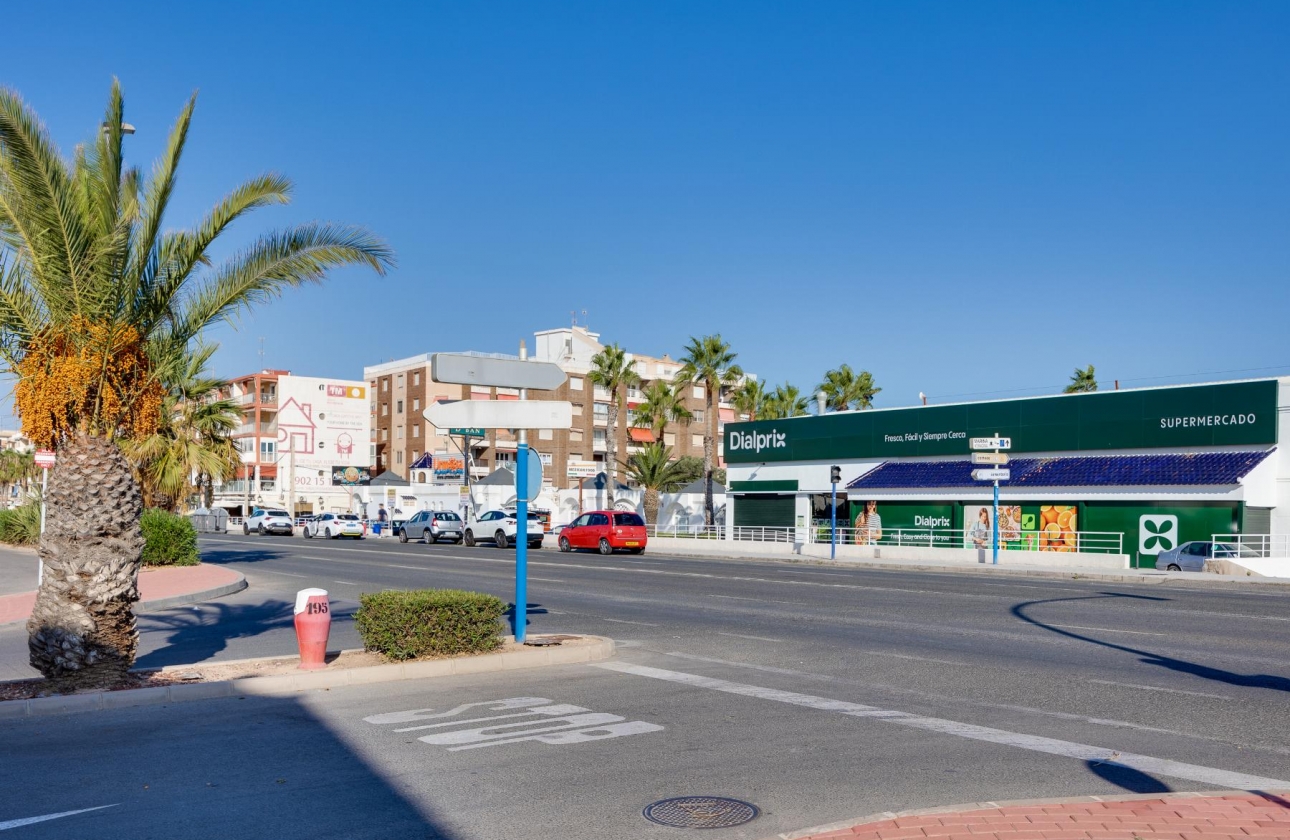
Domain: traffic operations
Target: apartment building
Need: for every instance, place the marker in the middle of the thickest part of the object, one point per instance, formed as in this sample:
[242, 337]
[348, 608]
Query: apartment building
[403, 388]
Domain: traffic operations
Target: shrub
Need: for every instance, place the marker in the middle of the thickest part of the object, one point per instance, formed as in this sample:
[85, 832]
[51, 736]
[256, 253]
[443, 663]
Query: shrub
[169, 539]
[429, 622]
[21, 525]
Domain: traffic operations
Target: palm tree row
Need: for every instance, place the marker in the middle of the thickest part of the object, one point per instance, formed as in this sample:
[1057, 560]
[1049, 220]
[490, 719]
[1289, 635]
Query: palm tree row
[100, 304]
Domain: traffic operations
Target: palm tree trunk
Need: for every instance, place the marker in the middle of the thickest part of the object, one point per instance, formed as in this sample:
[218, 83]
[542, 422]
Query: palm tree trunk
[709, 517]
[82, 629]
[611, 446]
[651, 506]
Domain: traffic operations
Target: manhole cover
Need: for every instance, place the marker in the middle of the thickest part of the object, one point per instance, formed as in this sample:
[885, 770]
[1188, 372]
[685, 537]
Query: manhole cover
[700, 812]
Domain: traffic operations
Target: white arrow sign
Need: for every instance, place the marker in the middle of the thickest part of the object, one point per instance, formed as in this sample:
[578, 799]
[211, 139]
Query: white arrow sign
[991, 475]
[463, 369]
[501, 414]
[992, 443]
[989, 457]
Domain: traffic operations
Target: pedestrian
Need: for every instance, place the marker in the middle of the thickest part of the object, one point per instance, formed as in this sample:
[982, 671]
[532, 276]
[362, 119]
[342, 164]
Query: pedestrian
[381, 516]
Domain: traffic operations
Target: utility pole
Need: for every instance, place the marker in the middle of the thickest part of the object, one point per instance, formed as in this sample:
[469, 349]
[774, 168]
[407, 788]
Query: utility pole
[522, 522]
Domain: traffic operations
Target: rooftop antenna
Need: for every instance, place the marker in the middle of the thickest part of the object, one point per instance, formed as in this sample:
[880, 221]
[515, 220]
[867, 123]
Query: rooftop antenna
[584, 319]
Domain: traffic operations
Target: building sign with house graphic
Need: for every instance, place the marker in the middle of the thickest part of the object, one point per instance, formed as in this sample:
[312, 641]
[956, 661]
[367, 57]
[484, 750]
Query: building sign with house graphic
[323, 424]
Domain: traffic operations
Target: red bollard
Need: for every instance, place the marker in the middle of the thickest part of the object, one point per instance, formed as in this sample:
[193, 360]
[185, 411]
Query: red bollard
[313, 625]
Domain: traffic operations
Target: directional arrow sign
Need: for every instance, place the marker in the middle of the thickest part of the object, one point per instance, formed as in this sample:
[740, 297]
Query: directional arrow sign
[992, 443]
[463, 369]
[991, 475]
[989, 457]
[501, 414]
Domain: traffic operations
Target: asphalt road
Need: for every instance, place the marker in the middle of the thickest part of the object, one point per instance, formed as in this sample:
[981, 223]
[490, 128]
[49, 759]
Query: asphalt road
[817, 693]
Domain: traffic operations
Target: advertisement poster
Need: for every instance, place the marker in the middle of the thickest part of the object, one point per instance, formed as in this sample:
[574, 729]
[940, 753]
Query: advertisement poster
[1057, 526]
[449, 469]
[350, 476]
[978, 527]
[326, 423]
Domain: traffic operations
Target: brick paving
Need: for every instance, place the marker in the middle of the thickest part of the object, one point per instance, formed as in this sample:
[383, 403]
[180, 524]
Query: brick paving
[154, 584]
[1169, 817]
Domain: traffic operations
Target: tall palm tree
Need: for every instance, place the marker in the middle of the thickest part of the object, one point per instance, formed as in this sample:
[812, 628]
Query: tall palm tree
[664, 403]
[613, 371]
[17, 469]
[845, 389]
[99, 303]
[709, 361]
[1082, 381]
[193, 444]
[653, 469]
[783, 402]
[750, 398]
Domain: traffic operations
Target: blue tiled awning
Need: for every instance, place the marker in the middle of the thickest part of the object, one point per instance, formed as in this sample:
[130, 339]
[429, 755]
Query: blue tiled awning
[1205, 468]
[425, 462]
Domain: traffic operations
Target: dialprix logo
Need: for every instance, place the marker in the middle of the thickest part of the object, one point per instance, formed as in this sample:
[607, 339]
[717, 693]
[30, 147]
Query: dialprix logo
[757, 441]
[1157, 533]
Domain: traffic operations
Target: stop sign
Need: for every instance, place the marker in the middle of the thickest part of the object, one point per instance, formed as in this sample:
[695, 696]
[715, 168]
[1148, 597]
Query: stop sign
[44, 458]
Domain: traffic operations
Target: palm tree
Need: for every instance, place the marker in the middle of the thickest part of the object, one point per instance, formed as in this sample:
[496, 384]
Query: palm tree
[750, 398]
[613, 371]
[653, 469]
[99, 303]
[710, 362]
[783, 402]
[17, 469]
[845, 389]
[192, 446]
[1082, 381]
[663, 404]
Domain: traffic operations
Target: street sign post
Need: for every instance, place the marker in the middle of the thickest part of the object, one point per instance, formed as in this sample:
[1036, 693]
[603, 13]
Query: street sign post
[991, 475]
[989, 457]
[498, 414]
[995, 442]
[45, 459]
[464, 369]
[996, 475]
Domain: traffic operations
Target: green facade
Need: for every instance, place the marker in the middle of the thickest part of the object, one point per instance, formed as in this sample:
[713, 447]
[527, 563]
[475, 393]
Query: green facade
[1195, 521]
[1230, 414]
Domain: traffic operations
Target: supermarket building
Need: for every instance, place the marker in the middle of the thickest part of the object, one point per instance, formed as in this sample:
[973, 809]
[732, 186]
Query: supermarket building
[1138, 471]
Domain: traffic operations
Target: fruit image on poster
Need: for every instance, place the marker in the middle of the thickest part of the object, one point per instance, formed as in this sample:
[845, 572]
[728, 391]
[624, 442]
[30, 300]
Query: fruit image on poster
[1057, 527]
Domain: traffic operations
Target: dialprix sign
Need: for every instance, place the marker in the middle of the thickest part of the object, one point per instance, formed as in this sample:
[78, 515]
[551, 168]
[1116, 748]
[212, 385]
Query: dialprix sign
[1231, 414]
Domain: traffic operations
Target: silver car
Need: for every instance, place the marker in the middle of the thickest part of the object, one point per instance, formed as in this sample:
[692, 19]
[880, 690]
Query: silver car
[1191, 556]
[430, 526]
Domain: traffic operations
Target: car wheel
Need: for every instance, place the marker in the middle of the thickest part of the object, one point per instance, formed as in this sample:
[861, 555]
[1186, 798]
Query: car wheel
[457, 541]
[403, 535]
[246, 532]
[564, 545]
[1173, 567]
[500, 539]
[260, 530]
[308, 534]
[605, 547]
[330, 535]
[469, 538]
[536, 546]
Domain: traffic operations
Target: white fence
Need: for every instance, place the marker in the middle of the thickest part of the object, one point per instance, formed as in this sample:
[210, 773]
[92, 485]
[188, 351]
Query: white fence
[1078, 542]
[1251, 545]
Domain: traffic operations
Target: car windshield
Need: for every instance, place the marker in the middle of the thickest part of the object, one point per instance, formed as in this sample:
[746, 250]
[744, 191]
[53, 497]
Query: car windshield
[278, 513]
[628, 519]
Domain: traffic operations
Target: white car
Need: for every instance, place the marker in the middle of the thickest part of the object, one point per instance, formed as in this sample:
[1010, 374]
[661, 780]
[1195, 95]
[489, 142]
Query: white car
[268, 521]
[334, 526]
[499, 527]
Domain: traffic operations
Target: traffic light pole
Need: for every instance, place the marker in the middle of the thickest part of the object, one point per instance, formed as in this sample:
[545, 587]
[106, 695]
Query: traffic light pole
[835, 475]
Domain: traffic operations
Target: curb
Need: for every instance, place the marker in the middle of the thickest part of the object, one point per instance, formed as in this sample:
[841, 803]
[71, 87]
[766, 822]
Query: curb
[286, 684]
[176, 600]
[882, 816]
[1150, 577]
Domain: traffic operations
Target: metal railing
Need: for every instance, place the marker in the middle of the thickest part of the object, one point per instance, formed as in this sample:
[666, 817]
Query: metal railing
[1251, 545]
[687, 532]
[1087, 542]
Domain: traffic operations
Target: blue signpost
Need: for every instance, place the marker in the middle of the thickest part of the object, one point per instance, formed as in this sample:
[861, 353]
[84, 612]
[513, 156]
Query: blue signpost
[521, 538]
[994, 459]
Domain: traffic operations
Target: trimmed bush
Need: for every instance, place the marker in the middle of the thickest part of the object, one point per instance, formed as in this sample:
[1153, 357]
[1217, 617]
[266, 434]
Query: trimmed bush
[429, 622]
[21, 525]
[169, 539]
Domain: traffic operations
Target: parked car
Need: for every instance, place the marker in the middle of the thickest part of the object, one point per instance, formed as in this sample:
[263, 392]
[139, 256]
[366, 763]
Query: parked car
[499, 527]
[268, 521]
[334, 525]
[1191, 556]
[606, 531]
[430, 526]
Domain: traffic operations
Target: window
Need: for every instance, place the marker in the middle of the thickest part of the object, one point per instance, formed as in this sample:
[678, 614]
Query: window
[504, 457]
[575, 436]
[415, 454]
[696, 440]
[600, 393]
[385, 409]
[416, 378]
[698, 415]
[698, 392]
[385, 434]
[416, 430]
[268, 448]
[599, 519]
[400, 382]
[581, 521]
[385, 384]
[575, 383]
[398, 433]
[669, 439]
[398, 406]
[544, 434]
[398, 457]
[575, 456]
[416, 404]
[600, 411]
[628, 519]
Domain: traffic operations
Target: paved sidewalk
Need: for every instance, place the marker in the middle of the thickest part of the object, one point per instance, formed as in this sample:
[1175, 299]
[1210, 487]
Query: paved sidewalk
[158, 588]
[1187, 816]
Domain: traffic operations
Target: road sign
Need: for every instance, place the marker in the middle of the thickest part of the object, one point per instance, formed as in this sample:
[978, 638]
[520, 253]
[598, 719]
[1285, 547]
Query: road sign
[991, 475]
[45, 458]
[989, 457]
[581, 469]
[533, 475]
[463, 369]
[466, 432]
[992, 443]
[500, 414]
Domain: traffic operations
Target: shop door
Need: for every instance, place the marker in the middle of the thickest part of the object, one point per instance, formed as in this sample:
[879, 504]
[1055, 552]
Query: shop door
[764, 510]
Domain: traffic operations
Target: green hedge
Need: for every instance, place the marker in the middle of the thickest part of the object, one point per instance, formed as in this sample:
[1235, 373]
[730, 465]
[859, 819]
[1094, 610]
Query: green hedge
[429, 622]
[21, 525]
[169, 539]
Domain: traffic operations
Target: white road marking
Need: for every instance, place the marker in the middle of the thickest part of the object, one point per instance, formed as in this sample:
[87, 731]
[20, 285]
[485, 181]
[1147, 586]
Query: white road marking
[916, 658]
[547, 580]
[5, 826]
[1035, 743]
[347, 582]
[744, 636]
[1159, 688]
[625, 621]
[413, 568]
[288, 574]
[1105, 629]
[762, 600]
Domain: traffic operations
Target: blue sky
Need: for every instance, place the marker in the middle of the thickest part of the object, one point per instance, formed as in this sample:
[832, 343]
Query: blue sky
[963, 198]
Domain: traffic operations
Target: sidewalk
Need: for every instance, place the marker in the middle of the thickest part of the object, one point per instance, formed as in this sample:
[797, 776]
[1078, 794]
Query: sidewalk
[1183, 816]
[158, 589]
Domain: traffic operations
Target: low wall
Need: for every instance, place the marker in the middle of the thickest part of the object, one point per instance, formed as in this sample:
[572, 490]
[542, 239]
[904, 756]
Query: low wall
[964, 556]
[1261, 566]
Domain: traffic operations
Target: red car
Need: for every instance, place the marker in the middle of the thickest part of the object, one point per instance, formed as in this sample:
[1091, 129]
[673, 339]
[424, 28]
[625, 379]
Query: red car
[605, 530]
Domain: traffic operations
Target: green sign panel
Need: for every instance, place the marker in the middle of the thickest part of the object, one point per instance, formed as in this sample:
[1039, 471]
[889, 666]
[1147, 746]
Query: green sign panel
[471, 432]
[1232, 414]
